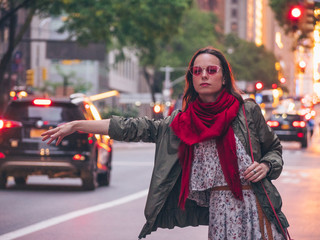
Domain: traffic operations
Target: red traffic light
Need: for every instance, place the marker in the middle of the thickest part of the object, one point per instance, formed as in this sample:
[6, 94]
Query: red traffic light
[295, 13]
[259, 85]
[274, 85]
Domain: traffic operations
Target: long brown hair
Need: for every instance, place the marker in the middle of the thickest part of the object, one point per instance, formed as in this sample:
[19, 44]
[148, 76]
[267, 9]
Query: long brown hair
[190, 93]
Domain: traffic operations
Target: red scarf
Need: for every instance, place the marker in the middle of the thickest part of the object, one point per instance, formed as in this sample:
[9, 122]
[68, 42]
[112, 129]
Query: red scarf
[204, 121]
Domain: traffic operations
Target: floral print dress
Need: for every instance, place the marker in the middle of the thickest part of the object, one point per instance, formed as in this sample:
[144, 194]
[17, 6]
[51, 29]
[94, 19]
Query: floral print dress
[229, 218]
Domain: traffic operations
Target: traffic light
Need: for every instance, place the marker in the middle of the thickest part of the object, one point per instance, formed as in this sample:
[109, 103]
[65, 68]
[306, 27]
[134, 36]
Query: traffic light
[30, 77]
[295, 15]
[259, 86]
[301, 17]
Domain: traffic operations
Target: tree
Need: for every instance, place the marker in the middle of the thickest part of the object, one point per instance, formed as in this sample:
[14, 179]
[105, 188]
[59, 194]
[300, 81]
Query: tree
[250, 62]
[197, 31]
[137, 24]
[140, 24]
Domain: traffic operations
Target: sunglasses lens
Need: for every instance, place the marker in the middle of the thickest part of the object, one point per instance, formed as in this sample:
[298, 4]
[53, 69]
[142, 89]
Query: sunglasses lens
[212, 69]
[196, 71]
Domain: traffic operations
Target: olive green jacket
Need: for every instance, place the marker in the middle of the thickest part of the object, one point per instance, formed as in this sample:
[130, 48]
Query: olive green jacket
[162, 203]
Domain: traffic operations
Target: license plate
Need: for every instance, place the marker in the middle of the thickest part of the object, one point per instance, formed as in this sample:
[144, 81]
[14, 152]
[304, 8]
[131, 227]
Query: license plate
[285, 126]
[36, 133]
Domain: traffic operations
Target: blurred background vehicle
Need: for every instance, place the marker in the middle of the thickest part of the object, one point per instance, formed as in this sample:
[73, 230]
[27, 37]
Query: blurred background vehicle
[290, 127]
[80, 155]
[290, 121]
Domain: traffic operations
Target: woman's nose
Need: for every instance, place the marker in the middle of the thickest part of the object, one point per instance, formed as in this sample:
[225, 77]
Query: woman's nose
[204, 73]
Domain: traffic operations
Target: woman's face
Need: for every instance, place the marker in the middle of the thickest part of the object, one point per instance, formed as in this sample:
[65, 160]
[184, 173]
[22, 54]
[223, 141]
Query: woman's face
[207, 85]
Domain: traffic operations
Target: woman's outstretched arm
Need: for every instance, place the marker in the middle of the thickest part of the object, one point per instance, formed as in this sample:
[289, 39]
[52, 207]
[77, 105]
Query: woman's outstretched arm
[87, 126]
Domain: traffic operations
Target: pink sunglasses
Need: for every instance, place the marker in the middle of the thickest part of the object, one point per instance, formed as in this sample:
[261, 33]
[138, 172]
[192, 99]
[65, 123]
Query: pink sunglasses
[211, 70]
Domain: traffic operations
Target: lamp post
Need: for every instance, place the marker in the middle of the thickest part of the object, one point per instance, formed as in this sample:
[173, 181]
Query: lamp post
[167, 85]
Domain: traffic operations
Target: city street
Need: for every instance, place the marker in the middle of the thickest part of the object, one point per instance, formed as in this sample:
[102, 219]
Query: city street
[59, 209]
[65, 62]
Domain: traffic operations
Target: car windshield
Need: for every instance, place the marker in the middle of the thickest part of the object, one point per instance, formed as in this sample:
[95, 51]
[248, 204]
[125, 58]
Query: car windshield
[21, 112]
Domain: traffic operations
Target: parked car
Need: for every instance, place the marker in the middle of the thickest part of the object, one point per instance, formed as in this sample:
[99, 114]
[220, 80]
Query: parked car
[79, 155]
[290, 127]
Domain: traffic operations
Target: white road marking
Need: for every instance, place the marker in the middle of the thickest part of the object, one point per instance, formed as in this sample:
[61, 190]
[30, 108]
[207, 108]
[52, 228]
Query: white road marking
[66, 217]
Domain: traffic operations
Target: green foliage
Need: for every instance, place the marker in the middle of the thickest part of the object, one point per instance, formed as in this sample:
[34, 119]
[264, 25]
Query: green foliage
[81, 86]
[136, 23]
[197, 30]
[250, 62]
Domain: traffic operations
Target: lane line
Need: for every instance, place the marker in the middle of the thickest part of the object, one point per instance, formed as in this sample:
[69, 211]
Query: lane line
[66, 217]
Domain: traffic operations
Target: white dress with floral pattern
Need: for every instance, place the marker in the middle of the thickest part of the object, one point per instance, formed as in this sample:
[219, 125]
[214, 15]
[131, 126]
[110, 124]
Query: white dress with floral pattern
[229, 218]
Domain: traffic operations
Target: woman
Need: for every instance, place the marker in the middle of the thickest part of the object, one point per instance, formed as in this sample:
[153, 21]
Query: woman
[203, 172]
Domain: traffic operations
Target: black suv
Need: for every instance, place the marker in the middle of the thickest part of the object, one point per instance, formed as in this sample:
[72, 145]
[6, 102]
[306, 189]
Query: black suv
[23, 153]
[290, 127]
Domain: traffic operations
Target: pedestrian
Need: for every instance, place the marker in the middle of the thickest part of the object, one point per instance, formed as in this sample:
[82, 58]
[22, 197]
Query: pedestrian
[203, 171]
[310, 125]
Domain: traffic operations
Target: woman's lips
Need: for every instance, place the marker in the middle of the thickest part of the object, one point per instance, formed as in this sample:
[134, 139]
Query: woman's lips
[204, 84]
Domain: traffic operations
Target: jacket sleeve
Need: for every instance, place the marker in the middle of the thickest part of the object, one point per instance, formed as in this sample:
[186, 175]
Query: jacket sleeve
[271, 149]
[134, 129]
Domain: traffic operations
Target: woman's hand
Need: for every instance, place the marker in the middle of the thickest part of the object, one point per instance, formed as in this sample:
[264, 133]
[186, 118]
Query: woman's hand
[256, 171]
[87, 126]
[58, 133]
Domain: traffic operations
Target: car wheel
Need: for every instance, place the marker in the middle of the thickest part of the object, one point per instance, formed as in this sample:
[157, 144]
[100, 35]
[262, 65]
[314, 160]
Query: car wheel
[89, 179]
[20, 180]
[3, 180]
[104, 178]
[304, 142]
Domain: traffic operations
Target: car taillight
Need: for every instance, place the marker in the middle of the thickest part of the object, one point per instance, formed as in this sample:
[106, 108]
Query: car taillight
[300, 135]
[42, 102]
[273, 123]
[9, 124]
[299, 124]
[2, 155]
[79, 157]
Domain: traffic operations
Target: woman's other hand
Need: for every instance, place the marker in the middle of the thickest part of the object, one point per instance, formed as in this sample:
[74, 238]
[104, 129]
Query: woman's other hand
[256, 171]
